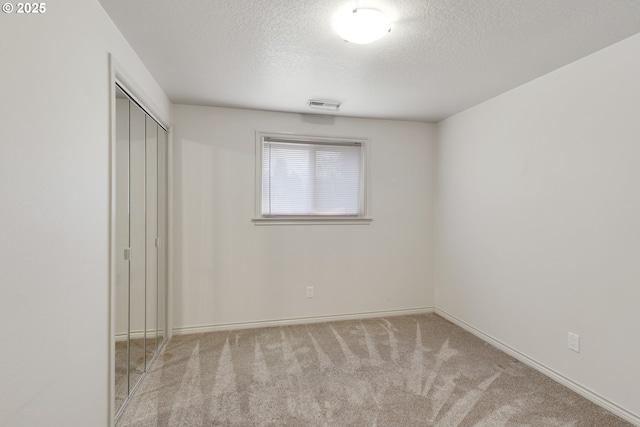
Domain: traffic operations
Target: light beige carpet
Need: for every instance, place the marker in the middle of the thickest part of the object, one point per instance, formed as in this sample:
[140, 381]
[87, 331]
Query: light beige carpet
[397, 371]
[121, 362]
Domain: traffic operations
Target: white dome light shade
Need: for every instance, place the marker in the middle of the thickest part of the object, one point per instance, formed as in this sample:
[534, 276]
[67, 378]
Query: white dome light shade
[362, 26]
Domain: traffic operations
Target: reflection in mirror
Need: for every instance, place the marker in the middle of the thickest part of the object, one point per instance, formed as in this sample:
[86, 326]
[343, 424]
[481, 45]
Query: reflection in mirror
[151, 154]
[137, 240]
[162, 230]
[140, 239]
[122, 242]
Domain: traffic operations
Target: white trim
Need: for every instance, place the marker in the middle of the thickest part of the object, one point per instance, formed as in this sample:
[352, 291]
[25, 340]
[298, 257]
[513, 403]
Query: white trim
[300, 320]
[578, 388]
[133, 335]
[316, 220]
[122, 78]
[111, 366]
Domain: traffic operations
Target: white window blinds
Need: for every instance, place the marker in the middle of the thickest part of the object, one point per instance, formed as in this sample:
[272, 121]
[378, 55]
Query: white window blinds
[311, 178]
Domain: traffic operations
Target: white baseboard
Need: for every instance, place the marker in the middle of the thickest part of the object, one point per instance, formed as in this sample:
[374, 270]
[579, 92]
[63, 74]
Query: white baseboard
[135, 335]
[299, 320]
[581, 390]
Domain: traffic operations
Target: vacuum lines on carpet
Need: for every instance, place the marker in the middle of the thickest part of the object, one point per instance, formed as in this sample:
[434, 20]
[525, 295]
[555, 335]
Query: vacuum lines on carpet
[399, 371]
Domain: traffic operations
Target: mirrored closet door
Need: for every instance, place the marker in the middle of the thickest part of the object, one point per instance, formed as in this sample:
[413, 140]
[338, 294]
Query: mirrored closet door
[140, 232]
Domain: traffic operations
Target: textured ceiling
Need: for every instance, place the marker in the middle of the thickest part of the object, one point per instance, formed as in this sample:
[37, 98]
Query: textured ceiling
[441, 57]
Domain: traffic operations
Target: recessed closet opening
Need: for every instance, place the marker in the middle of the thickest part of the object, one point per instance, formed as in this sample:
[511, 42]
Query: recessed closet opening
[140, 235]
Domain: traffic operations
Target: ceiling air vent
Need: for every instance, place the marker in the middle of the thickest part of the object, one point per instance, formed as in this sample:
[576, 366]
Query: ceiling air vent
[324, 104]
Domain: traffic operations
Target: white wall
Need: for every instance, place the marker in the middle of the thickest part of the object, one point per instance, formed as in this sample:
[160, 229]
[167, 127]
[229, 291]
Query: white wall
[228, 270]
[538, 213]
[54, 220]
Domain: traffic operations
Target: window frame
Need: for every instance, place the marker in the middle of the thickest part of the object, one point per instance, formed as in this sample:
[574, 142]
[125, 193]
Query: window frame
[362, 219]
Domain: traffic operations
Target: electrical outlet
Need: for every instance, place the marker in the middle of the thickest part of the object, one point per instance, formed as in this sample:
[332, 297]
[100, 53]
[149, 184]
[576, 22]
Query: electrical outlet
[574, 342]
[309, 291]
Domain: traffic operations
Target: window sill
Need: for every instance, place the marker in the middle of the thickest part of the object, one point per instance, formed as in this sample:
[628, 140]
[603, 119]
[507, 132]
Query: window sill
[312, 221]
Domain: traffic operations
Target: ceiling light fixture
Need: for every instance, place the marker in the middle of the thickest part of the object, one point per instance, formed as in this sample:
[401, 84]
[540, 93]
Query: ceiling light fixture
[362, 26]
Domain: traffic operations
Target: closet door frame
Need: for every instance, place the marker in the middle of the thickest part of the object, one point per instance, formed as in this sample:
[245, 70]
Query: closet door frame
[118, 76]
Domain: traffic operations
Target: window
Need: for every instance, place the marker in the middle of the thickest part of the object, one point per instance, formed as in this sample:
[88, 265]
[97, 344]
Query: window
[310, 179]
